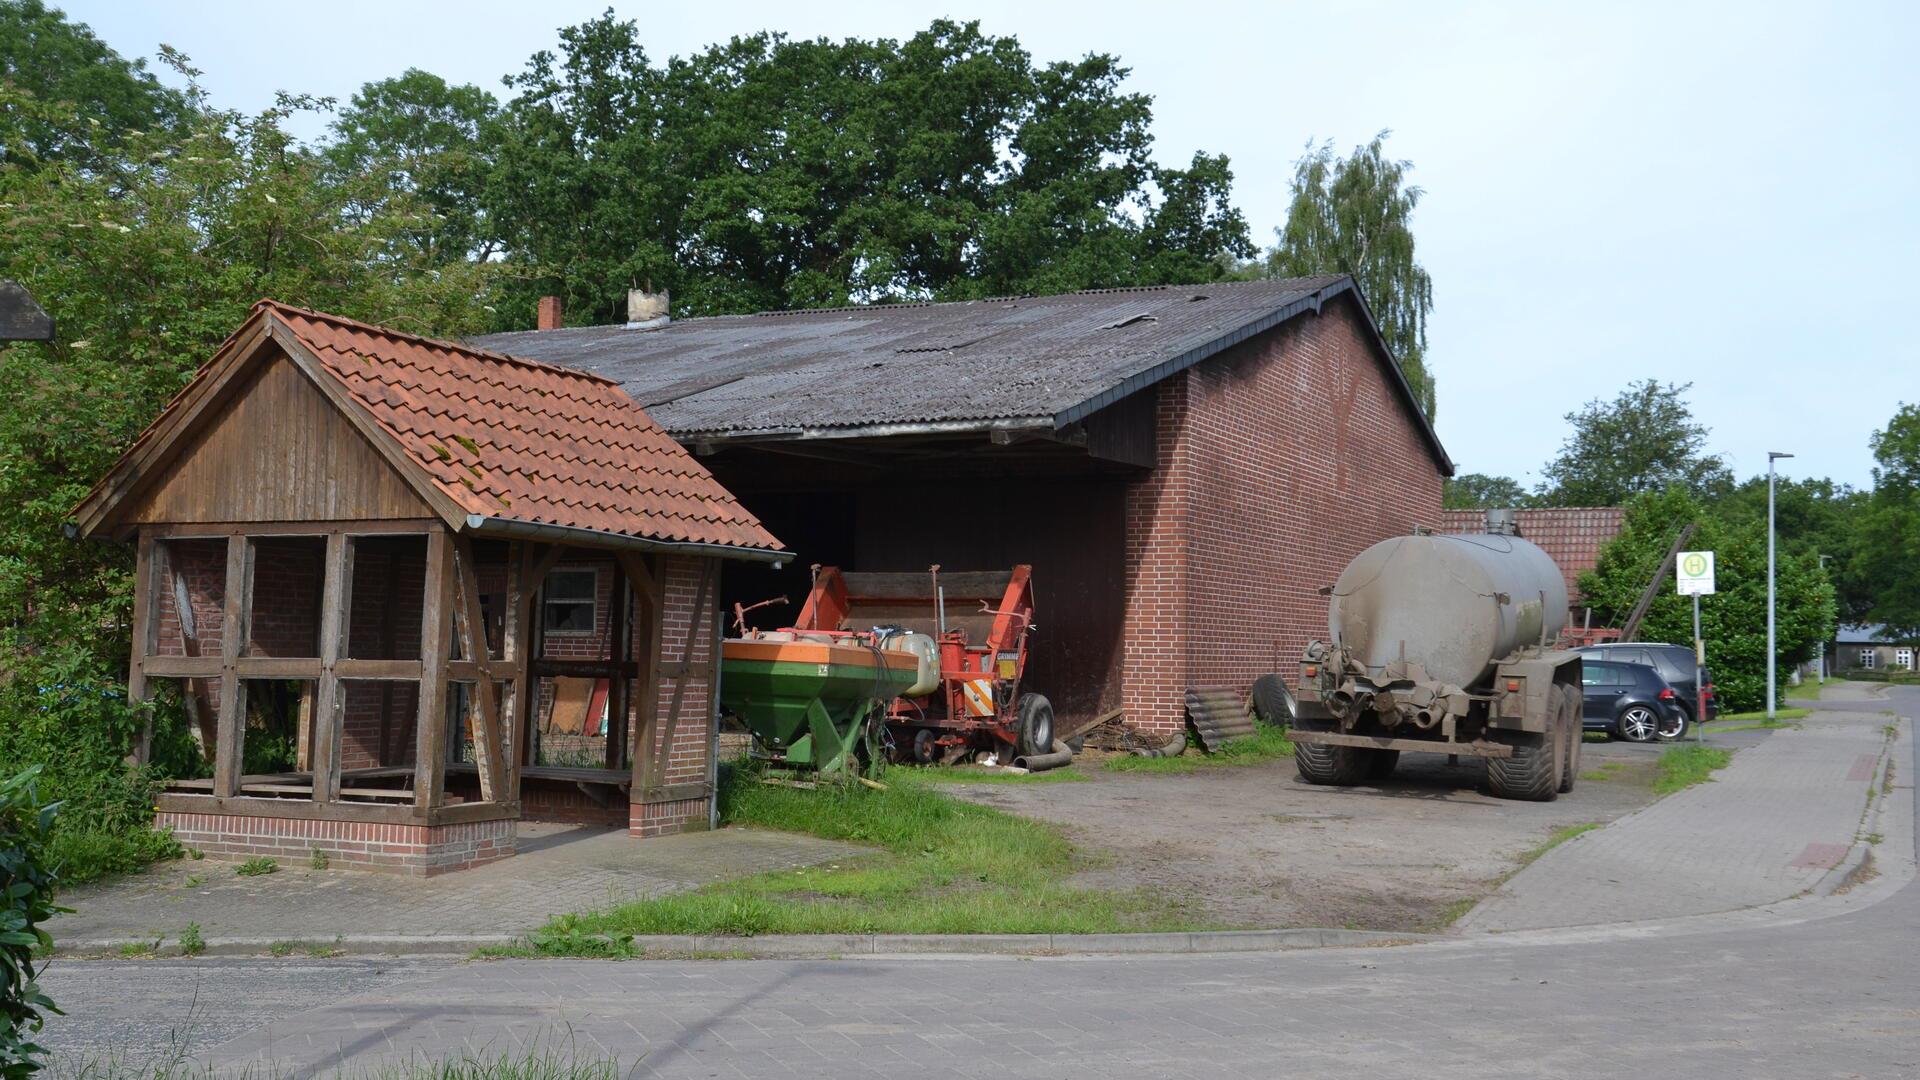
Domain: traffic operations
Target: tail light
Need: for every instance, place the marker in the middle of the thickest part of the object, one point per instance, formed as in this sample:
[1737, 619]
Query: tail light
[1666, 694]
[1709, 690]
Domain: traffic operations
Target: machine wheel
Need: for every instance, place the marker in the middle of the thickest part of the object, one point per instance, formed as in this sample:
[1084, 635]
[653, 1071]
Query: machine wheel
[926, 746]
[1532, 773]
[1638, 724]
[1576, 735]
[1036, 725]
[1380, 763]
[1343, 766]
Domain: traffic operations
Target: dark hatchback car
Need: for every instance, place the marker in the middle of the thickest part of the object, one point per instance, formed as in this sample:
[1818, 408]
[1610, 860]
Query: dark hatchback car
[1674, 662]
[1630, 701]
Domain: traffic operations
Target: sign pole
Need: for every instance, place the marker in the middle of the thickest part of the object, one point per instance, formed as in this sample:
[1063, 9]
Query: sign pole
[1699, 676]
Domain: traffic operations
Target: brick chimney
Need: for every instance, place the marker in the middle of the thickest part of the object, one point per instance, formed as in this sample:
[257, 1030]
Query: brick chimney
[550, 316]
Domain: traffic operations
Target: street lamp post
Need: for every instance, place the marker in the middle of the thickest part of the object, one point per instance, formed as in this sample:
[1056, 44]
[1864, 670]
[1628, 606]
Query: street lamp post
[1823, 645]
[1772, 456]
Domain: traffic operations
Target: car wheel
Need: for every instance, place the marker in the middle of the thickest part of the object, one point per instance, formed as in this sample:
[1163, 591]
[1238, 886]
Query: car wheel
[1638, 724]
[1673, 727]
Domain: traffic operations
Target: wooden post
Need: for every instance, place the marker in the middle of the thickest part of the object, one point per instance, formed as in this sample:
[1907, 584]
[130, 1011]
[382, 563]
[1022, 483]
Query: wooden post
[436, 642]
[230, 734]
[145, 634]
[619, 650]
[336, 599]
[514, 632]
[484, 707]
[644, 750]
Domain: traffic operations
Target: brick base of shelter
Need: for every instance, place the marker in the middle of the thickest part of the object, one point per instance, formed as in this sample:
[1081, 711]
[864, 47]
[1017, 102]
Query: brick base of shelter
[417, 850]
[667, 818]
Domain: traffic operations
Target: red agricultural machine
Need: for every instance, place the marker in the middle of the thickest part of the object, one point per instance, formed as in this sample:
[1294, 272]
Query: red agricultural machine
[969, 632]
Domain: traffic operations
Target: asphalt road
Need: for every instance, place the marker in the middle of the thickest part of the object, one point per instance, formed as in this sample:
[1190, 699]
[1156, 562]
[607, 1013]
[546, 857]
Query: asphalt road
[1827, 988]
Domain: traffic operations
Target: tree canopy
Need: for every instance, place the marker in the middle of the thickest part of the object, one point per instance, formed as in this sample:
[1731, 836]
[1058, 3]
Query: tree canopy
[1474, 491]
[1354, 215]
[59, 70]
[770, 172]
[1644, 440]
[1886, 563]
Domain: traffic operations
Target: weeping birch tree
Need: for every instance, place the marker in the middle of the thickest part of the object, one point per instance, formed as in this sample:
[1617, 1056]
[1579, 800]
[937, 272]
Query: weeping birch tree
[1353, 215]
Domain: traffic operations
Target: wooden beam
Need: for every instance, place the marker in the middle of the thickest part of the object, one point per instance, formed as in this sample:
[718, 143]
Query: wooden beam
[279, 667]
[200, 711]
[182, 667]
[619, 651]
[708, 571]
[583, 669]
[336, 599]
[436, 642]
[215, 530]
[145, 638]
[517, 646]
[484, 705]
[230, 735]
[648, 678]
[637, 573]
[390, 670]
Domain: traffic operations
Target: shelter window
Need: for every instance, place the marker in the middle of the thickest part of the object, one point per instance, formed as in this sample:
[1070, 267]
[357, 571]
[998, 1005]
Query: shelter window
[569, 601]
[1869, 658]
[1903, 659]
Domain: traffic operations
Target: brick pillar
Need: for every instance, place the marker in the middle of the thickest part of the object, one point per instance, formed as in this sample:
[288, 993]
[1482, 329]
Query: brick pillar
[1158, 544]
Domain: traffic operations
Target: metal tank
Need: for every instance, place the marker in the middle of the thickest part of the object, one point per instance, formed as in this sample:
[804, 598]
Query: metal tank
[1454, 605]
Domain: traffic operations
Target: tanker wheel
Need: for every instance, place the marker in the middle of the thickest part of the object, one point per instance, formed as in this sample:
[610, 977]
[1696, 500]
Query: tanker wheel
[926, 746]
[1532, 774]
[1343, 766]
[1380, 763]
[1036, 725]
[1570, 702]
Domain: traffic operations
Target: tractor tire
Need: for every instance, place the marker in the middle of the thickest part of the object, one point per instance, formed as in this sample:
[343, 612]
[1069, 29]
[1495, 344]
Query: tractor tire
[1576, 735]
[1036, 725]
[1532, 774]
[1341, 766]
[1380, 763]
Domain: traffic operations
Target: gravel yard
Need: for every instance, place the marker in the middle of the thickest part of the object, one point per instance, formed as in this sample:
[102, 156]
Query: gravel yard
[1260, 848]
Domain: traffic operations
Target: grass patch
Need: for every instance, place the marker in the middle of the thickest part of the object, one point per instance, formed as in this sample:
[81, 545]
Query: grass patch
[969, 774]
[1559, 836]
[1806, 691]
[1607, 771]
[1685, 766]
[83, 854]
[1790, 712]
[943, 866]
[1265, 744]
[192, 943]
[258, 866]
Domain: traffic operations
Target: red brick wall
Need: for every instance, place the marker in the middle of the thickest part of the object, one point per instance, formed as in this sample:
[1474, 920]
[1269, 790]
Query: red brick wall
[1279, 461]
[418, 850]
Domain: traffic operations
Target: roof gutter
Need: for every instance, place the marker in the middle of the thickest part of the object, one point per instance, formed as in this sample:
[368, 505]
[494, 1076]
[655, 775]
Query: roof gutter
[569, 534]
[865, 431]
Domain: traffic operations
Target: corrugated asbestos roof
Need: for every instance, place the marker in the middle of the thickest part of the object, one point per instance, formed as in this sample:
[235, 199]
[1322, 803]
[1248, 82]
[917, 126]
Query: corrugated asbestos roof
[828, 372]
[514, 439]
[1573, 535]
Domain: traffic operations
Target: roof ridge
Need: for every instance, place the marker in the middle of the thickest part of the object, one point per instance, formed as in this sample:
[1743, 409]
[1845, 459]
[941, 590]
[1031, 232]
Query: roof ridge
[268, 302]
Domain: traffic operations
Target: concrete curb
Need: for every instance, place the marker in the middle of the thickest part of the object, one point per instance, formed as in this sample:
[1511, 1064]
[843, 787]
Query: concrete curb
[1858, 863]
[798, 946]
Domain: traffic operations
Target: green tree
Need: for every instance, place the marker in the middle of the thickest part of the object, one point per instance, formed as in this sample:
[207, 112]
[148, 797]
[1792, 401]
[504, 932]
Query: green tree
[1354, 215]
[769, 173]
[1474, 491]
[1886, 565]
[57, 67]
[1734, 620]
[1643, 440]
[1815, 516]
[422, 136]
[147, 263]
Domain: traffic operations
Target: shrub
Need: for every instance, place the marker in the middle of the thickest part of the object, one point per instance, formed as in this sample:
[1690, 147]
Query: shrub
[26, 901]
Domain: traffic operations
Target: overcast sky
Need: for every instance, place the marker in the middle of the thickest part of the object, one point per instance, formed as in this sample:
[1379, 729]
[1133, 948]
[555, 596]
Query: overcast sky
[1720, 194]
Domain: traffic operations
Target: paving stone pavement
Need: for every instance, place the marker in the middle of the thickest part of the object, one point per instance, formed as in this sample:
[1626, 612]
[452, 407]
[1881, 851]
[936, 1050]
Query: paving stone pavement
[1767, 827]
[558, 869]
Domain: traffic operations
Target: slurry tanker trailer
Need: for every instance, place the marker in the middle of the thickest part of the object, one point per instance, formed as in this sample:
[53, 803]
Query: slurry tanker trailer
[1444, 644]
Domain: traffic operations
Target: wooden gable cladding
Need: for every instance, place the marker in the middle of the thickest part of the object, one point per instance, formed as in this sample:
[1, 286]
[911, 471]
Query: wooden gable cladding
[279, 451]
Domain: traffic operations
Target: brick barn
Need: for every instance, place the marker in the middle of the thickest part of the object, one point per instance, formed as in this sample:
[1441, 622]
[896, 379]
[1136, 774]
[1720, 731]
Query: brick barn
[408, 592]
[1183, 466]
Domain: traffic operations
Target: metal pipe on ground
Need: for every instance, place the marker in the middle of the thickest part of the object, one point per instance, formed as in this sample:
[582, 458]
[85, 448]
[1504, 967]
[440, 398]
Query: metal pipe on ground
[1062, 755]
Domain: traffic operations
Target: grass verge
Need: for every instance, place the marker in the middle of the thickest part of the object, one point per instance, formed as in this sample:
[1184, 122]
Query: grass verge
[1806, 691]
[970, 774]
[1685, 766]
[1554, 839]
[1788, 713]
[943, 866]
[1265, 744]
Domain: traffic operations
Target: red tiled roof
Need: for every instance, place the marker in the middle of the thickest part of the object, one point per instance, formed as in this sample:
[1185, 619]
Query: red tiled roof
[1573, 535]
[517, 439]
